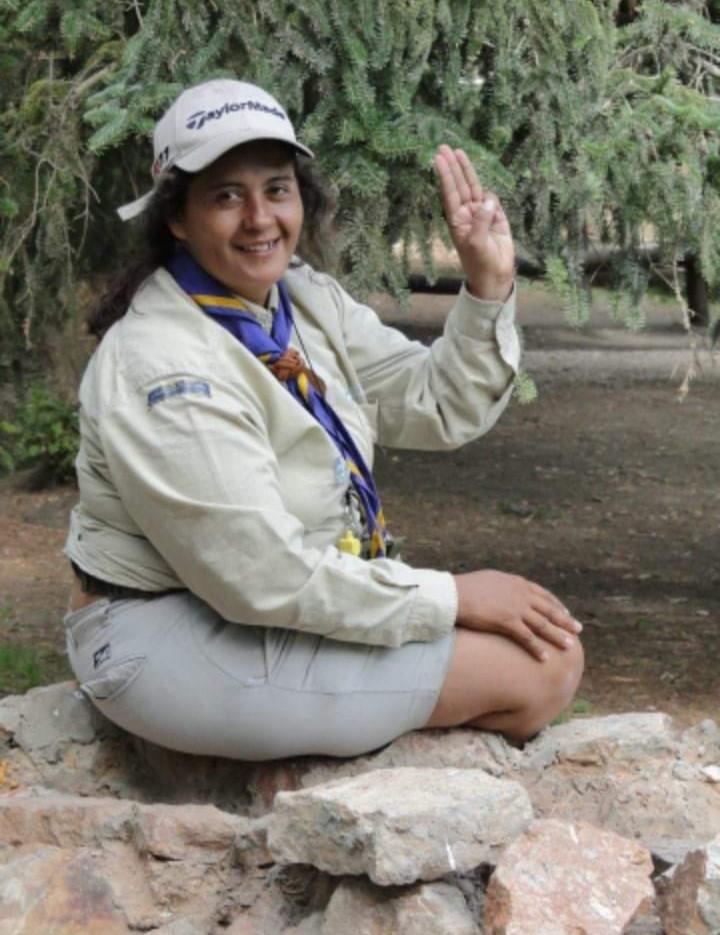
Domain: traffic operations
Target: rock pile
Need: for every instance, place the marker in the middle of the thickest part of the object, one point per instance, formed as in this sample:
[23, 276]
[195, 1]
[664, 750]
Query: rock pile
[599, 826]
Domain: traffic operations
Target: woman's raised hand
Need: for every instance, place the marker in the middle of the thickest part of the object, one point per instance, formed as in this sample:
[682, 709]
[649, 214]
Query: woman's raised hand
[496, 602]
[478, 227]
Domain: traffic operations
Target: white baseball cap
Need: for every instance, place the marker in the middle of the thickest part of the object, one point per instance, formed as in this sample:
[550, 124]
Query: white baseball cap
[208, 120]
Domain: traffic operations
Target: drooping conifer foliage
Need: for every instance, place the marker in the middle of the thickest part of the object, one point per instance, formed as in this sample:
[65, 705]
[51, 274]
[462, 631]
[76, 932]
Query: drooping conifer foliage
[596, 121]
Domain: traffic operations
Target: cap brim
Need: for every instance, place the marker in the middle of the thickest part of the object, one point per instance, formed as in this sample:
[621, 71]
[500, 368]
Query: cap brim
[203, 156]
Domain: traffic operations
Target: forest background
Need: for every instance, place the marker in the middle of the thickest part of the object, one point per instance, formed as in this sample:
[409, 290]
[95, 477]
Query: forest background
[596, 122]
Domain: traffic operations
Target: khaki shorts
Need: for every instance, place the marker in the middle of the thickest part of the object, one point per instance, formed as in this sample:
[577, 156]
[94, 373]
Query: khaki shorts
[172, 671]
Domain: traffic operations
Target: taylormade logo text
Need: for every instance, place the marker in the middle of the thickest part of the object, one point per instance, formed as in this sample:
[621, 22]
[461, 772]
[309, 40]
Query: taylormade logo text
[198, 120]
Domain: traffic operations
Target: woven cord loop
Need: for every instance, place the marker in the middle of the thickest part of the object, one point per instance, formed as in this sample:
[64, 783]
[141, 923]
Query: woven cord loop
[290, 364]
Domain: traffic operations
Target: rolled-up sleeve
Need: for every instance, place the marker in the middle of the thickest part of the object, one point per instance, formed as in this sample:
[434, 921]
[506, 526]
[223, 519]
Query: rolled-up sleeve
[442, 396]
[199, 477]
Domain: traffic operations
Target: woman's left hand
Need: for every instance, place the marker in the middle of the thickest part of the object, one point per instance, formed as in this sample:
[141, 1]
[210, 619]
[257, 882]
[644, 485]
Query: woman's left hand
[478, 227]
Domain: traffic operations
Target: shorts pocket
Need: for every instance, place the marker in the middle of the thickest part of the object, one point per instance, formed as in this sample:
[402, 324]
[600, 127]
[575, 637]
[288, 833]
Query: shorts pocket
[279, 644]
[235, 649]
[297, 661]
[114, 679]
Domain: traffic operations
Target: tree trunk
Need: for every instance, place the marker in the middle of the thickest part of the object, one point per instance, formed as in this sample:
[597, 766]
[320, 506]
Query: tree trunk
[627, 12]
[697, 293]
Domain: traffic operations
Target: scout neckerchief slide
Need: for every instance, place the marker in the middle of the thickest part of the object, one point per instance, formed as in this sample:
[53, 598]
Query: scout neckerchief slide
[272, 349]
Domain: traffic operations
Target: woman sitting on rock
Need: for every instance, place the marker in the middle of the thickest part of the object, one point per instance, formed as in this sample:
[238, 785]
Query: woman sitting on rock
[237, 590]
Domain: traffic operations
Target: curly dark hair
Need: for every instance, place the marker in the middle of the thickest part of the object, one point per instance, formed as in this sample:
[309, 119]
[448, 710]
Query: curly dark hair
[158, 244]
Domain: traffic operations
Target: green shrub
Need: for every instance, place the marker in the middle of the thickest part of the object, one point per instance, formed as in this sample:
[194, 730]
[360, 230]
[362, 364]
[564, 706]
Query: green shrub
[43, 435]
[24, 667]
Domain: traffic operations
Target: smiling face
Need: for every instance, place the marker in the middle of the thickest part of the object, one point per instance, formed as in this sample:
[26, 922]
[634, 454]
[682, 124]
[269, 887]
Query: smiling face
[243, 216]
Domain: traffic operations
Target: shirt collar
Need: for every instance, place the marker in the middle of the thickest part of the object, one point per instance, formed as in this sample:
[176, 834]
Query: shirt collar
[264, 313]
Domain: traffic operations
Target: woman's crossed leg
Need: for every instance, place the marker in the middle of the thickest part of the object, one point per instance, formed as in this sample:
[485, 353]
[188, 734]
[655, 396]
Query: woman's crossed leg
[517, 659]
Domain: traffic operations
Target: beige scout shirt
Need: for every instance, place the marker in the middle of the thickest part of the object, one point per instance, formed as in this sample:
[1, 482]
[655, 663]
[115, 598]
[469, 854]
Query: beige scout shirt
[197, 468]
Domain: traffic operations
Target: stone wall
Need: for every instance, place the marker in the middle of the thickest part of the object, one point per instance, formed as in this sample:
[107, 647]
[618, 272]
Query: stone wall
[598, 826]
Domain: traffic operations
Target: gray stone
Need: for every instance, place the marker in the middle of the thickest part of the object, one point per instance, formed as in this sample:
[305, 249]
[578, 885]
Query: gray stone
[702, 741]
[434, 909]
[594, 741]
[686, 772]
[251, 848]
[641, 799]
[399, 825]
[10, 709]
[666, 852]
[179, 927]
[426, 909]
[458, 749]
[358, 906]
[54, 716]
[310, 925]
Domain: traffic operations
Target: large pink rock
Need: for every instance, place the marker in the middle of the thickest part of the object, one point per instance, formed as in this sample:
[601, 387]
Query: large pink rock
[178, 832]
[170, 832]
[57, 892]
[80, 866]
[64, 820]
[561, 877]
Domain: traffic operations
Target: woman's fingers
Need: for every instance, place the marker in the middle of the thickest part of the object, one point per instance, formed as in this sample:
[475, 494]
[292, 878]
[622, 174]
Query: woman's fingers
[459, 184]
[470, 176]
[499, 223]
[565, 620]
[534, 632]
[457, 173]
[546, 628]
[522, 634]
[549, 605]
[448, 188]
[515, 608]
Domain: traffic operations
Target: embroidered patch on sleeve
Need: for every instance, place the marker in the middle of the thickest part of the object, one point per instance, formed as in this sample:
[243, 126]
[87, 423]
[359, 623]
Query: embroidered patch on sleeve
[178, 388]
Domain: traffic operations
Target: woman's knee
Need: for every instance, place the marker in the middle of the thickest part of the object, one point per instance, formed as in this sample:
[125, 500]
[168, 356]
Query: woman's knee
[492, 680]
[552, 692]
[565, 673]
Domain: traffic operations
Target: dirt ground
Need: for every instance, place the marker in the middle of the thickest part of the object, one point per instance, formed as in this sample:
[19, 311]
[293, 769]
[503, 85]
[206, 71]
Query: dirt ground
[603, 490]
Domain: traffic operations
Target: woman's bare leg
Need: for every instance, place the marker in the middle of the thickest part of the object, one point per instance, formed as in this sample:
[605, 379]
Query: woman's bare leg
[494, 684]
